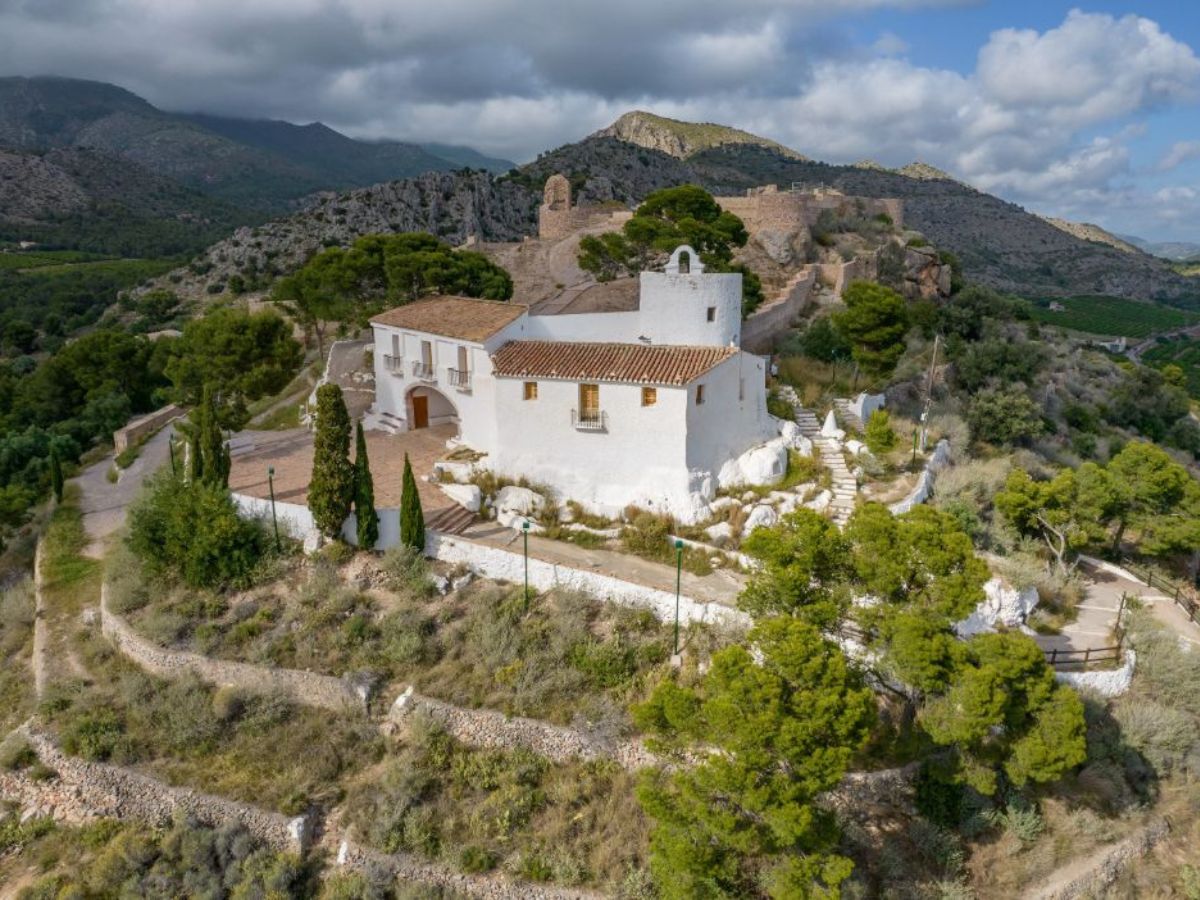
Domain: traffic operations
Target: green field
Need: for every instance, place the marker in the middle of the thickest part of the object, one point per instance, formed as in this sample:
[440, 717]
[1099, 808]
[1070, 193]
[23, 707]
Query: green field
[1114, 316]
[1184, 353]
[40, 258]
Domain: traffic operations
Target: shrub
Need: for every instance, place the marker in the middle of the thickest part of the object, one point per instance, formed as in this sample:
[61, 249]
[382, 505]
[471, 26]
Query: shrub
[194, 532]
[880, 436]
[1020, 820]
[406, 570]
[475, 860]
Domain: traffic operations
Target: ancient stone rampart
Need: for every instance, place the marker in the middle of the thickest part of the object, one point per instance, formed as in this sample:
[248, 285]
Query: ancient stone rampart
[143, 426]
[768, 208]
[761, 327]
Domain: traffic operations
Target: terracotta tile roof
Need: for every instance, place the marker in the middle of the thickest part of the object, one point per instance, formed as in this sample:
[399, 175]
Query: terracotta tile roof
[464, 318]
[634, 363]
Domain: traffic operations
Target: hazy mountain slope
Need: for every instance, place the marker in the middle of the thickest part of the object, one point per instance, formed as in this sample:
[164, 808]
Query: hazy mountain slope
[1173, 250]
[468, 157]
[683, 139]
[254, 163]
[81, 198]
[1089, 232]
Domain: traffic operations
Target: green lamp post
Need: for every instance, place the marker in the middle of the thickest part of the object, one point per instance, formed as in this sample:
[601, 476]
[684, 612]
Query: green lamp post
[678, 579]
[274, 520]
[525, 535]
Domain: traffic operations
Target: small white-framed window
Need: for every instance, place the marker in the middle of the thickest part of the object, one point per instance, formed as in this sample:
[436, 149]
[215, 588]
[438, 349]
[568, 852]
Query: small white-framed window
[529, 391]
[699, 395]
[712, 314]
[649, 396]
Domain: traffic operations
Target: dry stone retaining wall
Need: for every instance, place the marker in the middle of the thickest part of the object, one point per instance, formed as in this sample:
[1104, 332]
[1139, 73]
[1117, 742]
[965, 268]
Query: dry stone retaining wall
[924, 487]
[493, 730]
[136, 429]
[1109, 866]
[96, 790]
[306, 688]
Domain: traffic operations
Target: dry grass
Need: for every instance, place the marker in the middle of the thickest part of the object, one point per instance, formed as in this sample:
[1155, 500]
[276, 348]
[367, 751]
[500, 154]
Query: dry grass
[16, 642]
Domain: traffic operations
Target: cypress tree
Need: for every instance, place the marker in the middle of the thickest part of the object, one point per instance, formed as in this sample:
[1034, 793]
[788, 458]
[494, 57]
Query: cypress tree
[412, 519]
[195, 457]
[331, 490]
[56, 475]
[364, 494]
[215, 456]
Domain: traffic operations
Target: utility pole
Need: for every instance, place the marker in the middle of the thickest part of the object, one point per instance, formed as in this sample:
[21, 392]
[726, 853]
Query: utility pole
[929, 393]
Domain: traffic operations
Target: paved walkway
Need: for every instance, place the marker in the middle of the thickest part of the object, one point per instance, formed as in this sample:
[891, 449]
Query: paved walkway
[103, 503]
[1096, 621]
[722, 586]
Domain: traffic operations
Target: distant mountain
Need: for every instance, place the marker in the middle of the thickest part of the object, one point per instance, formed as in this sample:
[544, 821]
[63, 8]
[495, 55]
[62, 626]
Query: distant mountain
[683, 139]
[469, 158]
[1177, 251]
[997, 243]
[1089, 232]
[258, 164]
[83, 199]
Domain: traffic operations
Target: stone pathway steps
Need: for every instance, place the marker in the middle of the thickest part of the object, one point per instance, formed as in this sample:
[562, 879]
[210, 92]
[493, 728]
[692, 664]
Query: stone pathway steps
[452, 520]
[845, 485]
[846, 416]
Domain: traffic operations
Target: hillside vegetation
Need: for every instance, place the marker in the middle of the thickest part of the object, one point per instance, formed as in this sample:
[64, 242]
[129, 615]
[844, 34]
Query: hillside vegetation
[1112, 316]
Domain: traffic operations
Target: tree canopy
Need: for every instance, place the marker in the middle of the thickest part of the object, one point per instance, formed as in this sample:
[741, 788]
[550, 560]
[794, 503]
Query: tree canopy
[771, 735]
[874, 322]
[669, 217]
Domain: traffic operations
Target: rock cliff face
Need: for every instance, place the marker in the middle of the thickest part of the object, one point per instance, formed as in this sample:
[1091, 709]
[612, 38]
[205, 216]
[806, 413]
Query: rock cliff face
[1086, 231]
[683, 139]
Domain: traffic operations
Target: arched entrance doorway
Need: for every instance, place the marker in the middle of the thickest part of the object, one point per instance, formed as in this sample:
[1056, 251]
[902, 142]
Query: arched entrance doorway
[427, 407]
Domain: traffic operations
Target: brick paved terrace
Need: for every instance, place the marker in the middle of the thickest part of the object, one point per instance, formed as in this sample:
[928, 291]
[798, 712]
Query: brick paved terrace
[291, 453]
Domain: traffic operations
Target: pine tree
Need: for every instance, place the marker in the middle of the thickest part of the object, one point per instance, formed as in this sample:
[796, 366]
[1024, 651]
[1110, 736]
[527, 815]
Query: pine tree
[56, 475]
[365, 516]
[331, 491]
[412, 519]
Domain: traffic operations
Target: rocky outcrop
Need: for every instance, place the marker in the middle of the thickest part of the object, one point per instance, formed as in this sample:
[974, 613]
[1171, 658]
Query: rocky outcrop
[683, 139]
[925, 275]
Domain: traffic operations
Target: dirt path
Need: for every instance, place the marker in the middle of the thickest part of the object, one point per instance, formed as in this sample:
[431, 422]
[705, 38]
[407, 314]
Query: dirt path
[38, 659]
[104, 503]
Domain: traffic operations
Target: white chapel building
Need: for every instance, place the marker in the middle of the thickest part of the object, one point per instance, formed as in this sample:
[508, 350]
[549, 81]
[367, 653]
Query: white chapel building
[641, 406]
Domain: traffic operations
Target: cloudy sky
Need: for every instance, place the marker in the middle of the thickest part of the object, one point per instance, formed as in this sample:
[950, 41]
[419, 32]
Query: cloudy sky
[1086, 112]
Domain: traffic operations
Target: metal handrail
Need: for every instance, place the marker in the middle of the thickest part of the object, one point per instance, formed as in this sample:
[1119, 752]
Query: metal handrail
[423, 370]
[394, 364]
[589, 420]
[459, 378]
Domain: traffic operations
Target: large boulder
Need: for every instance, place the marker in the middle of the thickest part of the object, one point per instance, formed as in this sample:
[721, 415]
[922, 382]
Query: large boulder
[1003, 605]
[467, 496]
[514, 505]
[790, 433]
[762, 465]
[762, 515]
[719, 533]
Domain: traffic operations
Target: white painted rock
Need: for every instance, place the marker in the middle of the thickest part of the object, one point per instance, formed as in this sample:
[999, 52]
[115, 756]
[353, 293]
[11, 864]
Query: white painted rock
[467, 496]
[830, 428]
[1002, 605]
[821, 502]
[761, 515]
[720, 532]
[460, 471]
[722, 503]
[766, 464]
[855, 447]
[519, 500]
[313, 541]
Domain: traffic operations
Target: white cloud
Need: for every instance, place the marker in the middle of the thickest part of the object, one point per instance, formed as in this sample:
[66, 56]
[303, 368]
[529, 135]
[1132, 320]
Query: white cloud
[1179, 153]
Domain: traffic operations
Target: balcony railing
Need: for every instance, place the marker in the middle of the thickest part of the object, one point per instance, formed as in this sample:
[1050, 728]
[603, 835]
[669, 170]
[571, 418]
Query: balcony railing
[589, 420]
[394, 364]
[424, 371]
[459, 378]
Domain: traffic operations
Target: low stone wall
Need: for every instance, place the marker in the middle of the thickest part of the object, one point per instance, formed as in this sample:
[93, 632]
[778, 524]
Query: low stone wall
[1108, 866]
[924, 487]
[503, 565]
[136, 429]
[408, 869]
[493, 730]
[98, 790]
[305, 688]
[1105, 682]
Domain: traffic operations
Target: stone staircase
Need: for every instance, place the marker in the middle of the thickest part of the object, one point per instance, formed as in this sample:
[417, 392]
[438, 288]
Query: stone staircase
[451, 520]
[845, 485]
[847, 417]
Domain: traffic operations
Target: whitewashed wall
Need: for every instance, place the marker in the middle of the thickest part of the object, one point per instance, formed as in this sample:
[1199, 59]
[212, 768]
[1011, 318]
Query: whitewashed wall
[641, 457]
[733, 417]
